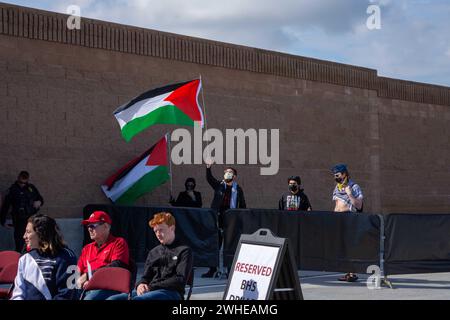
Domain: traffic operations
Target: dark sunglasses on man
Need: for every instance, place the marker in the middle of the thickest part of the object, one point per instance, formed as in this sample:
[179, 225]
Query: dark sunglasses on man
[94, 225]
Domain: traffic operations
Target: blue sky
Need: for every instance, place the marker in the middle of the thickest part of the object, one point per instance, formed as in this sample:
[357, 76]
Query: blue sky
[412, 44]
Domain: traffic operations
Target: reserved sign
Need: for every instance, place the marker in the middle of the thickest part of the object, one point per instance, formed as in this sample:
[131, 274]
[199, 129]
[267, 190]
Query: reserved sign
[252, 273]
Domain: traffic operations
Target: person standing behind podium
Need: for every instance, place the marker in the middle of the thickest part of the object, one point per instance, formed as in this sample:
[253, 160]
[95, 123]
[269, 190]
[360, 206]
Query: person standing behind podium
[227, 195]
[189, 198]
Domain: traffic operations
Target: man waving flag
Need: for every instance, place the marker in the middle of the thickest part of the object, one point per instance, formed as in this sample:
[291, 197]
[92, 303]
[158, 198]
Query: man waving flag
[172, 104]
[139, 176]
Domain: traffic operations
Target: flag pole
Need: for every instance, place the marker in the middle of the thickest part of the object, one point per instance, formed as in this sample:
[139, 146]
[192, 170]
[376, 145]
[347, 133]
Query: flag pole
[204, 109]
[170, 163]
[204, 105]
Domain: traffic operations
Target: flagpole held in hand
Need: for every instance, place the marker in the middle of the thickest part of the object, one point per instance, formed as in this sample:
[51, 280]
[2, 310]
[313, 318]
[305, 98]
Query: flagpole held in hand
[170, 164]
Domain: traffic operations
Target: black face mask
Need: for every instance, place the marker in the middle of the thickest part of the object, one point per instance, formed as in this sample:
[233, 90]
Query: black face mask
[339, 180]
[293, 187]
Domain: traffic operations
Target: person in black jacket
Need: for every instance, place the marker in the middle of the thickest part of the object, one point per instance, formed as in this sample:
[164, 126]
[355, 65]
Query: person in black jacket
[227, 195]
[25, 201]
[295, 199]
[190, 197]
[168, 266]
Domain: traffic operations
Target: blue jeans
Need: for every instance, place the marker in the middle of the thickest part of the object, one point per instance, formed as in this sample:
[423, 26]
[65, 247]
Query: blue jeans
[99, 294]
[160, 294]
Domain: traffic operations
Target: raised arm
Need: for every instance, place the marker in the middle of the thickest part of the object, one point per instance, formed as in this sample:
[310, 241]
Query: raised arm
[213, 182]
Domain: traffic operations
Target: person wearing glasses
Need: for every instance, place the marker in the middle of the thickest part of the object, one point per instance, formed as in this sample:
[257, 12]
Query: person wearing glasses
[105, 251]
[24, 200]
[347, 197]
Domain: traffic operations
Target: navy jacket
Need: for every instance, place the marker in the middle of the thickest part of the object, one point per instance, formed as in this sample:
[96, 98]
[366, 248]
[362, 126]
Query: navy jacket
[42, 277]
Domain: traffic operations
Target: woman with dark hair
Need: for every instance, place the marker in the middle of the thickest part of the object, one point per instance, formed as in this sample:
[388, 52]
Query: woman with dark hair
[188, 198]
[42, 272]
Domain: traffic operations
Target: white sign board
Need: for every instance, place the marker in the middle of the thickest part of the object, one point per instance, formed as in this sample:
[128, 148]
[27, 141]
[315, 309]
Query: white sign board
[253, 272]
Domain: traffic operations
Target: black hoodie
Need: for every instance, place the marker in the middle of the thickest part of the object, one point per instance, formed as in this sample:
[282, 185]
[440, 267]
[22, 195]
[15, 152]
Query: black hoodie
[297, 201]
[168, 267]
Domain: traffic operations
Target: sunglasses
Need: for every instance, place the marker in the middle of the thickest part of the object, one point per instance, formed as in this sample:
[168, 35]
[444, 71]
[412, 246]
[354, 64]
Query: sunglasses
[94, 225]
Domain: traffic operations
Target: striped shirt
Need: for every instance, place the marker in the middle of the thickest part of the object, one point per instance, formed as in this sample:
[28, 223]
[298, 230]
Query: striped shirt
[343, 196]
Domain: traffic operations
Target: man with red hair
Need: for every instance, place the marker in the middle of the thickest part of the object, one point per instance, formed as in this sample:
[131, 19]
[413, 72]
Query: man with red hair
[167, 267]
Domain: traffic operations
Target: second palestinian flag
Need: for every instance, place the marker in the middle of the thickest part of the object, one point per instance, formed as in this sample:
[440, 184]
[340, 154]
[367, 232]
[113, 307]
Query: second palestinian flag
[172, 104]
[139, 176]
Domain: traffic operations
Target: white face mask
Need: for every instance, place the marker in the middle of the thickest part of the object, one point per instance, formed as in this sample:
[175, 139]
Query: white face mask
[228, 176]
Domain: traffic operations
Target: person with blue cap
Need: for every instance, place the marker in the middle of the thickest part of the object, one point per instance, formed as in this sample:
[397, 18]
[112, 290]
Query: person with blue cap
[348, 197]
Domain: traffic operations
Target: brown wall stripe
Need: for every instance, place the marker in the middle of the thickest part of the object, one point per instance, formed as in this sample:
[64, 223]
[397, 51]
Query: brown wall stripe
[41, 25]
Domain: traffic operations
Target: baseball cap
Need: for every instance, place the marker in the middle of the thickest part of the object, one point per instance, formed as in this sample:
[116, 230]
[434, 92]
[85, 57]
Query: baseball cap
[339, 168]
[97, 216]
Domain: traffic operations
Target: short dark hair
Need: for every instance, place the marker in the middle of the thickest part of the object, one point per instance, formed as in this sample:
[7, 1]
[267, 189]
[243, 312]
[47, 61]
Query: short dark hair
[295, 178]
[50, 238]
[234, 170]
[24, 175]
[190, 180]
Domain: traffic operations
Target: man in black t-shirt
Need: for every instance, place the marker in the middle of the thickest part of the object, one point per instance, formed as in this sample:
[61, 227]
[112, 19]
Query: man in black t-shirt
[295, 199]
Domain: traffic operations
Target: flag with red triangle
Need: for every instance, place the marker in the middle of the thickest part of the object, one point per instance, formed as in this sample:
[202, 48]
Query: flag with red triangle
[140, 176]
[172, 104]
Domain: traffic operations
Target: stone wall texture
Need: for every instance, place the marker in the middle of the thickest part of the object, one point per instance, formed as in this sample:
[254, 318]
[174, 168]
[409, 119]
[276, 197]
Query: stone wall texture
[59, 88]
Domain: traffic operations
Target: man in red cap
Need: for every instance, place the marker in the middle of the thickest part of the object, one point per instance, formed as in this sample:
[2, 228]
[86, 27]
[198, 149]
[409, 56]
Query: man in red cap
[105, 251]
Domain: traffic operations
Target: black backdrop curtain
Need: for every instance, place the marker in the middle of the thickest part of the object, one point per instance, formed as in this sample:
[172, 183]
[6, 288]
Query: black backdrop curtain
[195, 227]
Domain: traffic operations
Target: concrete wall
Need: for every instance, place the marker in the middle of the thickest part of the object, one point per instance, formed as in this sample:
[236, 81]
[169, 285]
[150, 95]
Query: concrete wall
[58, 89]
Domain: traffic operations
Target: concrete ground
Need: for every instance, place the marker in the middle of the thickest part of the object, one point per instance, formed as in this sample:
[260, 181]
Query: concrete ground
[324, 286]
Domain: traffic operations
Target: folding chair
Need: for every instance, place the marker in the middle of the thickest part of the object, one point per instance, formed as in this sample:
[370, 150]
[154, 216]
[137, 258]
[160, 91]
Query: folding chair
[8, 257]
[132, 267]
[7, 276]
[190, 284]
[109, 278]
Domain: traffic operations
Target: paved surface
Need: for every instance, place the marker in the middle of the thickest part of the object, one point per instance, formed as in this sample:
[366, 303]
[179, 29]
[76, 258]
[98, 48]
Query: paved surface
[324, 286]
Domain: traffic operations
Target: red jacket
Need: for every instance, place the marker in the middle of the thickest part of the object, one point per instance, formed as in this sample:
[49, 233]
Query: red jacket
[112, 250]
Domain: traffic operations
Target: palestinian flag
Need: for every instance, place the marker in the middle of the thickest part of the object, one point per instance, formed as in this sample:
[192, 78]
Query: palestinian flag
[139, 176]
[172, 104]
